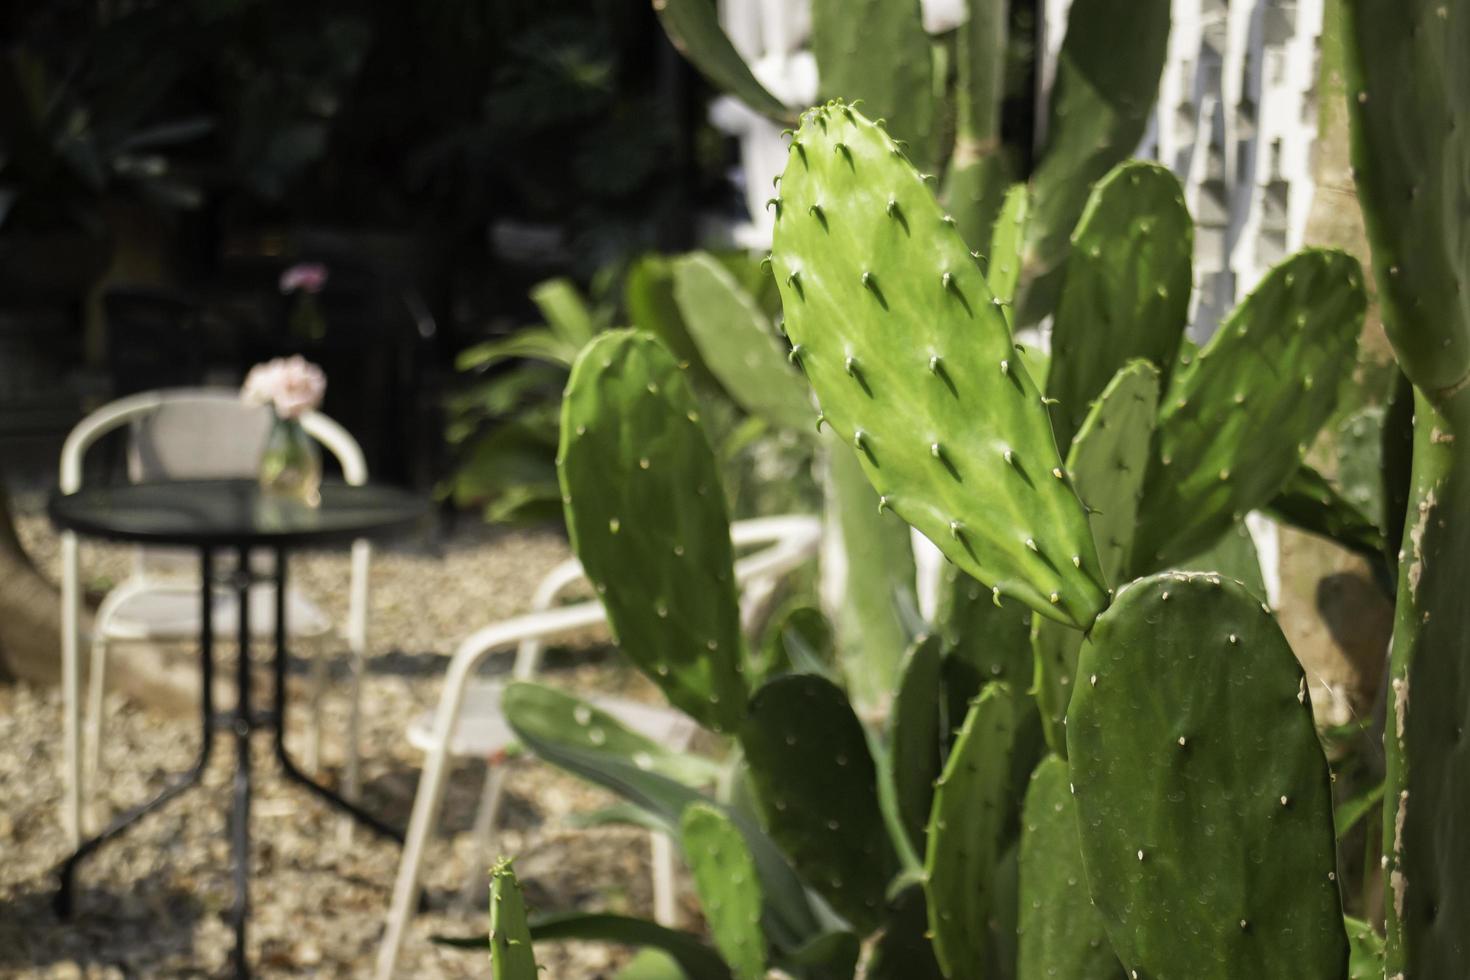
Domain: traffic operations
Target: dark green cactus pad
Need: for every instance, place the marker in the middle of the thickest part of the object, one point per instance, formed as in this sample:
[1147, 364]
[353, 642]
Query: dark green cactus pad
[694, 28]
[799, 642]
[1099, 110]
[1003, 267]
[966, 831]
[1062, 934]
[1203, 798]
[1109, 460]
[1054, 648]
[913, 365]
[647, 519]
[1234, 556]
[902, 950]
[979, 172]
[737, 343]
[983, 641]
[817, 787]
[589, 743]
[511, 956]
[1425, 735]
[1238, 419]
[729, 889]
[877, 580]
[1126, 292]
[916, 736]
[830, 956]
[877, 52]
[1409, 103]
[648, 296]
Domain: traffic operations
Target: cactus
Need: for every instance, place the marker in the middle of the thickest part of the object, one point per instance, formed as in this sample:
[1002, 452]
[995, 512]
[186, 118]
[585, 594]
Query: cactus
[876, 52]
[1062, 934]
[1409, 106]
[1003, 264]
[1107, 461]
[511, 956]
[1312, 504]
[734, 339]
[694, 27]
[976, 178]
[1210, 852]
[642, 487]
[729, 889]
[902, 951]
[1107, 79]
[916, 736]
[1126, 291]
[1236, 421]
[965, 834]
[913, 364]
[817, 786]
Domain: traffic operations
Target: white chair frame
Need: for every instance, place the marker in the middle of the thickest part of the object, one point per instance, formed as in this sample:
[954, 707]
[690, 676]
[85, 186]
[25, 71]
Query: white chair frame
[791, 541]
[343, 447]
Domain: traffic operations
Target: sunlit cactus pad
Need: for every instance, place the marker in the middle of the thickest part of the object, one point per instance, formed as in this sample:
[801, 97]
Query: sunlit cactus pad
[912, 361]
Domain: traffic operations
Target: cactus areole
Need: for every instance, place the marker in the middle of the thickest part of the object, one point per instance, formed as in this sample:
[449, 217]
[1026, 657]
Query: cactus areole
[912, 361]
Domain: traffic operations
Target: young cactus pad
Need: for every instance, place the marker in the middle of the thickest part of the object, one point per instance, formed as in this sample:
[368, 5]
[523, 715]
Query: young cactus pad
[729, 890]
[1235, 423]
[913, 365]
[1062, 934]
[646, 513]
[966, 830]
[511, 957]
[1203, 797]
[818, 791]
[1126, 293]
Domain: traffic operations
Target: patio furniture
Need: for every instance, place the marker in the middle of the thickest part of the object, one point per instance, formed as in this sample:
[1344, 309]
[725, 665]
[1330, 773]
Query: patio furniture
[214, 515]
[469, 722]
[175, 434]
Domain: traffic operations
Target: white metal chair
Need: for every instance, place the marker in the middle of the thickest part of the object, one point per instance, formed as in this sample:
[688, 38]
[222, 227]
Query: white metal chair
[190, 433]
[468, 720]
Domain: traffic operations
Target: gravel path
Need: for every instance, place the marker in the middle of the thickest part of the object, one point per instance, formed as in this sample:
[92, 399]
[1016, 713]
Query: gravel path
[153, 904]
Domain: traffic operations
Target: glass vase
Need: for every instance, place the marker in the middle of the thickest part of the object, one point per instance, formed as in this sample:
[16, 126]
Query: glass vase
[291, 466]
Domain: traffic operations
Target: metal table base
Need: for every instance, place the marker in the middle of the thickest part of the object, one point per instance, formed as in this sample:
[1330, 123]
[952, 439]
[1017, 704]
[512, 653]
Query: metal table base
[242, 722]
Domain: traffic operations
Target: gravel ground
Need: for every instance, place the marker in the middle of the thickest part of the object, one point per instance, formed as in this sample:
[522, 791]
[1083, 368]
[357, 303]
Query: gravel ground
[154, 903]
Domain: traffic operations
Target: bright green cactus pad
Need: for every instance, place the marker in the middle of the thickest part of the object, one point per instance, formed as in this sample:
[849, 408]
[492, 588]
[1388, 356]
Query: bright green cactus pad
[915, 736]
[1126, 293]
[511, 956]
[729, 890]
[877, 52]
[1062, 934]
[1238, 419]
[1203, 797]
[912, 362]
[1409, 98]
[966, 829]
[736, 341]
[646, 513]
[1106, 82]
[817, 787]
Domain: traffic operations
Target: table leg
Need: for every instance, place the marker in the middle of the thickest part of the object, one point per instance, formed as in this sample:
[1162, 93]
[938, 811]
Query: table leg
[288, 766]
[243, 723]
[65, 895]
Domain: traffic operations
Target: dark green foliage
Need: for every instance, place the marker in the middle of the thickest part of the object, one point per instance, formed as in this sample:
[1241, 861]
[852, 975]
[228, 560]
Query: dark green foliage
[916, 736]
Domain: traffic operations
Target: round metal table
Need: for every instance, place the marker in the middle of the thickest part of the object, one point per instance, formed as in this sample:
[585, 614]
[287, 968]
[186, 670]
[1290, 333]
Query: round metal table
[233, 515]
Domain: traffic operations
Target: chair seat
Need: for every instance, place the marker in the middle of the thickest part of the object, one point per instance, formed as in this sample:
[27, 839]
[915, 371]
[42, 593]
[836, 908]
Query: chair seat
[170, 611]
[483, 731]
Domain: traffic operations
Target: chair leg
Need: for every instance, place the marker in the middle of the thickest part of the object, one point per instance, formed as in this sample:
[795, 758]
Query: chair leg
[665, 899]
[487, 819]
[313, 760]
[92, 731]
[352, 773]
[71, 811]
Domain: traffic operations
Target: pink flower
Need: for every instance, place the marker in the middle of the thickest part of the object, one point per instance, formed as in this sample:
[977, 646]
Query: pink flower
[308, 277]
[293, 386]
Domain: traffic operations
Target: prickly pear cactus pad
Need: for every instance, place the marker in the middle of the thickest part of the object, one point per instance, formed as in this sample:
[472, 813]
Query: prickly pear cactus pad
[1062, 934]
[647, 518]
[916, 736]
[966, 827]
[1237, 420]
[817, 787]
[729, 890]
[1126, 292]
[912, 362]
[511, 957]
[1003, 262]
[1203, 796]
